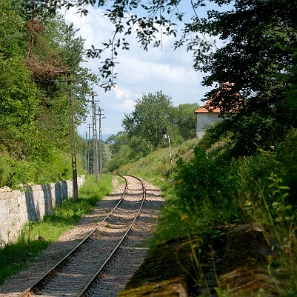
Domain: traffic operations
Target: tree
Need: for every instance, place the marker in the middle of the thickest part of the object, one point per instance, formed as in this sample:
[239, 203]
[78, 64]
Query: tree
[119, 159]
[11, 26]
[34, 118]
[257, 36]
[144, 128]
[34, 12]
[151, 114]
[258, 19]
[290, 78]
[17, 93]
[186, 120]
[257, 39]
[116, 141]
[124, 15]
[61, 49]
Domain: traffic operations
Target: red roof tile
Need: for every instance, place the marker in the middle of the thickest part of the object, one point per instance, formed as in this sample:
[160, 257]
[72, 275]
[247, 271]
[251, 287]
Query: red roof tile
[203, 109]
[208, 106]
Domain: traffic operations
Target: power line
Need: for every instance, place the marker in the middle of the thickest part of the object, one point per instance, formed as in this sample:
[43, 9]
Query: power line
[100, 139]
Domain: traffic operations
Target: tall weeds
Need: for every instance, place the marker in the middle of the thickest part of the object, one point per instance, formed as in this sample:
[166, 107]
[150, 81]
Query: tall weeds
[277, 219]
[209, 188]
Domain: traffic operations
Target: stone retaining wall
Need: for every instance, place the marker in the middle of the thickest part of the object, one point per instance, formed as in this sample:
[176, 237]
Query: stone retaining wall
[20, 207]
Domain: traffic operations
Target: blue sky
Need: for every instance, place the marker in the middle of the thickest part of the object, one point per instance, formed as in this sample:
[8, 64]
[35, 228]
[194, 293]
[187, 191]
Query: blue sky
[139, 72]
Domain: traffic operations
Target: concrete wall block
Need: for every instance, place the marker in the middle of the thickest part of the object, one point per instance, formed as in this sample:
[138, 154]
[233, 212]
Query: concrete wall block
[13, 235]
[4, 238]
[31, 204]
[1, 237]
[65, 189]
[5, 195]
[53, 195]
[69, 187]
[80, 180]
[14, 205]
[22, 205]
[36, 188]
[48, 198]
[3, 207]
[16, 194]
[58, 193]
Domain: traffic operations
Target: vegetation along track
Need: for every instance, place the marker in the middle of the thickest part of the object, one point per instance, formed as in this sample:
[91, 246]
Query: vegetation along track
[75, 274]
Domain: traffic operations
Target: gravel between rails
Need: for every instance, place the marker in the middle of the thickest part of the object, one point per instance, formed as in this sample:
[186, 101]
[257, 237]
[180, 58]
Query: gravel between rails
[116, 276]
[131, 254]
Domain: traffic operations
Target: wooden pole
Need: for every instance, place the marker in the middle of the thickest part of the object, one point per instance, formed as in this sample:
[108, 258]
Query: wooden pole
[72, 140]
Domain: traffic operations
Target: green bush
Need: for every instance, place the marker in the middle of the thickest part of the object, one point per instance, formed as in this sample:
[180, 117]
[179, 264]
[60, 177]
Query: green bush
[5, 169]
[246, 171]
[204, 191]
[54, 167]
[285, 154]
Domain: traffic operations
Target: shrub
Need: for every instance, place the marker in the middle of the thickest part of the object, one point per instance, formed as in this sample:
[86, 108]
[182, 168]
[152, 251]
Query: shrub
[5, 169]
[285, 153]
[205, 191]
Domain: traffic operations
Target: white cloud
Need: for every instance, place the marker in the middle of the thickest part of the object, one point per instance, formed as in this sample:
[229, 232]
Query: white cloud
[126, 107]
[139, 72]
[122, 93]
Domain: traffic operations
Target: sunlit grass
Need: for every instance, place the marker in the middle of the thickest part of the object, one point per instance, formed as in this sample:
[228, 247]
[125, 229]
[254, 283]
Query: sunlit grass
[204, 193]
[13, 257]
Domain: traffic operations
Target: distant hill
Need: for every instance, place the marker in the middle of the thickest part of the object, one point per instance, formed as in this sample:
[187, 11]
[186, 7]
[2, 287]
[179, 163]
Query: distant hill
[105, 136]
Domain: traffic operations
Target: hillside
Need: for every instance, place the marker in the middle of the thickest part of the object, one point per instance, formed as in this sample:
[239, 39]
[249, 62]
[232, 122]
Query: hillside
[209, 193]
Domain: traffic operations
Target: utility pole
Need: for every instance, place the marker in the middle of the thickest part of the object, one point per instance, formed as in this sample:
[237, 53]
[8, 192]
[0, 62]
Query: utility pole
[88, 149]
[100, 140]
[87, 153]
[95, 162]
[170, 156]
[72, 139]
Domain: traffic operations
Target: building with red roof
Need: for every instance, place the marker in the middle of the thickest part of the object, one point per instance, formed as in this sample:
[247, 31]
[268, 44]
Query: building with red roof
[209, 114]
[204, 118]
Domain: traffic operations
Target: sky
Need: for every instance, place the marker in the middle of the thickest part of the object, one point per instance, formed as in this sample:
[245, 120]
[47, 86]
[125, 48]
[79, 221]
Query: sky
[138, 72]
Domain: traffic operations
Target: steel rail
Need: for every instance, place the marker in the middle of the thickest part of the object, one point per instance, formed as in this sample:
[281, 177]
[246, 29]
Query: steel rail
[88, 286]
[53, 271]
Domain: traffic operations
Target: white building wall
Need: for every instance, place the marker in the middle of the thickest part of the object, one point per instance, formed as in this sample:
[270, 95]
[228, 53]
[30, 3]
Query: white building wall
[203, 120]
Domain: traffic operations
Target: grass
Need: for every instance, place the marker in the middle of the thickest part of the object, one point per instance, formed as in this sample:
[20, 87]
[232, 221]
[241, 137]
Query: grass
[37, 236]
[156, 166]
[277, 218]
[14, 257]
[177, 220]
[206, 189]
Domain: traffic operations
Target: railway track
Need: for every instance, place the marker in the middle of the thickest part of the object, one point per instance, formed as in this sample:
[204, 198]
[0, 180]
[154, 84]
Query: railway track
[78, 273]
